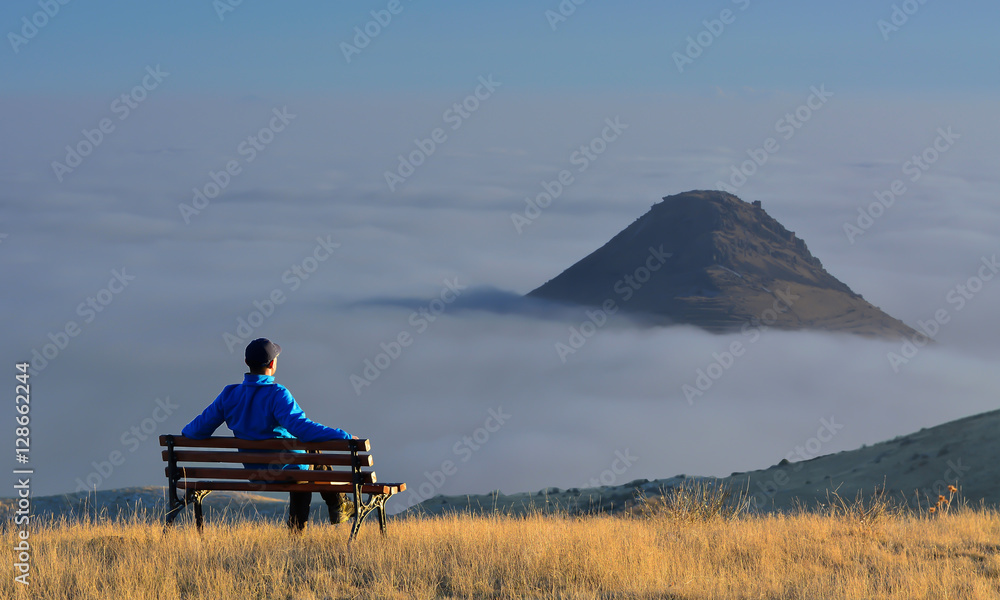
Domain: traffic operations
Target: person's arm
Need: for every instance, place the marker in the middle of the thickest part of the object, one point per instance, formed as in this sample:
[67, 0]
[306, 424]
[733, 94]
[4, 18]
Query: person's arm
[291, 416]
[205, 424]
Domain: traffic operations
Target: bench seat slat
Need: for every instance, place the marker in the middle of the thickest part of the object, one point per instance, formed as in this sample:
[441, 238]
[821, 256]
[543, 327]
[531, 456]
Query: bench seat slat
[246, 486]
[197, 467]
[271, 476]
[277, 458]
[275, 444]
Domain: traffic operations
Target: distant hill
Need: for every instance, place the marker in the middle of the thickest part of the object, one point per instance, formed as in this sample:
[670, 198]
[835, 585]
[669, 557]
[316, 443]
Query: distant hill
[709, 259]
[912, 467]
[922, 464]
[146, 504]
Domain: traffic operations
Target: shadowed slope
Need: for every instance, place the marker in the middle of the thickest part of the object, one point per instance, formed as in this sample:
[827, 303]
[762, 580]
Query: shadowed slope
[707, 258]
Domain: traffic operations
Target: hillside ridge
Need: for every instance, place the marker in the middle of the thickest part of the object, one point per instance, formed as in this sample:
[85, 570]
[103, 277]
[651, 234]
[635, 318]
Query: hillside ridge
[709, 259]
[911, 468]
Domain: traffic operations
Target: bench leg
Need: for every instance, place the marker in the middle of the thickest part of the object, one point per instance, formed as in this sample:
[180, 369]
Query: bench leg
[375, 502]
[355, 528]
[198, 497]
[173, 513]
[177, 506]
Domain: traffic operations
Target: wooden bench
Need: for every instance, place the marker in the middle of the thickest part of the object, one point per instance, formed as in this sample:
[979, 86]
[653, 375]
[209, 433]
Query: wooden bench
[186, 470]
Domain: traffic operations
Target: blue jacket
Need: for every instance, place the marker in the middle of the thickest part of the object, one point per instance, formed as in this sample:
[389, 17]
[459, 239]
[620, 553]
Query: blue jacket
[260, 409]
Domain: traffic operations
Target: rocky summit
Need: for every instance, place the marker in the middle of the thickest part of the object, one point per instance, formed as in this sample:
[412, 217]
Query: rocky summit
[709, 259]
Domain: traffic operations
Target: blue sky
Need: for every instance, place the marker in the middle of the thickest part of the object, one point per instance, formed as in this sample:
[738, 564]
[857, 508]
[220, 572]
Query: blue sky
[322, 174]
[259, 46]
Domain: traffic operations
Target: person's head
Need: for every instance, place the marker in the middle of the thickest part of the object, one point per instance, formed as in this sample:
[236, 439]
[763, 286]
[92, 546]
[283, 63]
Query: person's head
[262, 356]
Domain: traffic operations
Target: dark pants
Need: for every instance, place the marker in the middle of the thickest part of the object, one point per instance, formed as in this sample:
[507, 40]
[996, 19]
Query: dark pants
[337, 503]
[298, 508]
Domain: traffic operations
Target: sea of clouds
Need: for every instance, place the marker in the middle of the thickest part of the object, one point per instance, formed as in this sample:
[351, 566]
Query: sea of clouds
[398, 305]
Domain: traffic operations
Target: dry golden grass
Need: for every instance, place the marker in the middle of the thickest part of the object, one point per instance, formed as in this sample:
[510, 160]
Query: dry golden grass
[839, 555]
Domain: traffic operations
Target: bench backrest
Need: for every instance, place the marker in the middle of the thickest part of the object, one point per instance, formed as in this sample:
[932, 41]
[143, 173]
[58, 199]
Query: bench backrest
[202, 463]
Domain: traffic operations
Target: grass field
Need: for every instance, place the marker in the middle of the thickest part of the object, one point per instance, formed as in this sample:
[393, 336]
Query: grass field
[848, 555]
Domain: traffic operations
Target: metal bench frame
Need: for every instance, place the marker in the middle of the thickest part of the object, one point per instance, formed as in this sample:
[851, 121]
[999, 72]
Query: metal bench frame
[359, 482]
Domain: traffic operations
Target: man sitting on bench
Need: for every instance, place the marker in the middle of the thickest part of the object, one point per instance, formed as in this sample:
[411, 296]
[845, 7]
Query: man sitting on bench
[260, 409]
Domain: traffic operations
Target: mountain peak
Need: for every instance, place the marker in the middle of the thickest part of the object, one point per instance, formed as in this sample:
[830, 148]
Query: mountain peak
[708, 258]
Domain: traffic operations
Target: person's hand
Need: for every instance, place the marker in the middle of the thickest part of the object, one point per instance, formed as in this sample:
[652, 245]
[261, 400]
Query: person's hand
[354, 437]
